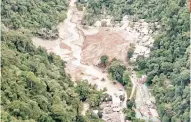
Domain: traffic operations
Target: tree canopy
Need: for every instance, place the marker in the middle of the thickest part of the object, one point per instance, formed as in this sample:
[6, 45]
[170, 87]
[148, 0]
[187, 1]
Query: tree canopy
[39, 91]
[168, 66]
[39, 16]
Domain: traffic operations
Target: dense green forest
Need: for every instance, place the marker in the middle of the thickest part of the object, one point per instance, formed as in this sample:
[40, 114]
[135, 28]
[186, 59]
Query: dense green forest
[39, 16]
[34, 85]
[118, 72]
[168, 66]
[98, 9]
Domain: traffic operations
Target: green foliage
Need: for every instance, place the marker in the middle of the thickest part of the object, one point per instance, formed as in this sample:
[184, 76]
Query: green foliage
[95, 10]
[35, 86]
[130, 113]
[141, 62]
[79, 6]
[126, 79]
[93, 117]
[130, 52]
[100, 114]
[34, 15]
[80, 118]
[130, 104]
[83, 89]
[116, 70]
[88, 93]
[106, 97]
[165, 119]
[104, 60]
[94, 100]
[168, 66]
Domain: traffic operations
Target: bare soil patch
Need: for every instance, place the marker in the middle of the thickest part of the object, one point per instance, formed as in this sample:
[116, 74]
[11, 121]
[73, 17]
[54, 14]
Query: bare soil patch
[64, 46]
[105, 42]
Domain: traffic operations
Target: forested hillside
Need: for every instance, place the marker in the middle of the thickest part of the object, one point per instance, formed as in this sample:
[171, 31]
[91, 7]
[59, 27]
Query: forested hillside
[40, 16]
[34, 85]
[168, 66]
[98, 9]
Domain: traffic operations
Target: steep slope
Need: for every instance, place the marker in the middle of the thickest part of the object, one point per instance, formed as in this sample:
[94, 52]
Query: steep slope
[34, 84]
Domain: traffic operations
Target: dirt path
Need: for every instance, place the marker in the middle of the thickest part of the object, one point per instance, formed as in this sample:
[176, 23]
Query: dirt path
[133, 80]
[132, 92]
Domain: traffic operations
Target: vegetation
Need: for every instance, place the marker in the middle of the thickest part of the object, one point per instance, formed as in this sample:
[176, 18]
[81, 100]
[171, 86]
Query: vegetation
[126, 79]
[130, 104]
[104, 60]
[89, 93]
[116, 70]
[100, 114]
[130, 52]
[39, 91]
[130, 113]
[168, 66]
[95, 10]
[39, 16]
[80, 4]
[106, 97]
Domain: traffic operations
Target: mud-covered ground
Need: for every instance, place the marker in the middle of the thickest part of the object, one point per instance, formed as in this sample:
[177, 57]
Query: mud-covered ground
[82, 48]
